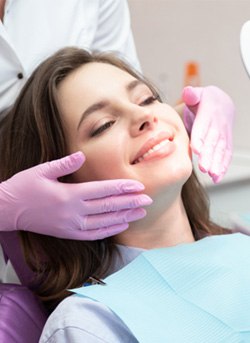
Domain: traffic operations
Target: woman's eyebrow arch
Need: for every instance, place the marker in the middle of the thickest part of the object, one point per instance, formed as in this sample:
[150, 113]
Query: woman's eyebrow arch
[92, 108]
[103, 103]
[134, 84]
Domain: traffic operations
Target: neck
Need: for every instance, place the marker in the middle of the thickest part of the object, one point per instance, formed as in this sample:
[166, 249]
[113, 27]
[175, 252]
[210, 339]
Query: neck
[160, 228]
[2, 4]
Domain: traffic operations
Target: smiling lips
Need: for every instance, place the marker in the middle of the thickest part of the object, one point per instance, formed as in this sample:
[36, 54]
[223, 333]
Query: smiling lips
[158, 146]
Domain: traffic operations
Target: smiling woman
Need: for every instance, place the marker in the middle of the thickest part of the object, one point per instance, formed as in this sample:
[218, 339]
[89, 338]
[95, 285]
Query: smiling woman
[97, 103]
[123, 120]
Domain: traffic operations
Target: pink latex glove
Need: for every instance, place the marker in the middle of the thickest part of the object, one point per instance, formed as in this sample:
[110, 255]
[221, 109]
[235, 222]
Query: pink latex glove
[209, 115]
[34, 200]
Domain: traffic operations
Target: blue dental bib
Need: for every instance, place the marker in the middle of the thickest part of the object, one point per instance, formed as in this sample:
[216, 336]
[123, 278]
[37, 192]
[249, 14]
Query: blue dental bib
[191, 293]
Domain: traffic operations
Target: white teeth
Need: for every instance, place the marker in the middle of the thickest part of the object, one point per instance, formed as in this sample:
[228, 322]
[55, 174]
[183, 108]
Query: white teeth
[154, 148]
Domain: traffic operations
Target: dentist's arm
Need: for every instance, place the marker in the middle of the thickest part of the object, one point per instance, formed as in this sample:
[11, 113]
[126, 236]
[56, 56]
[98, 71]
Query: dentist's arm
[208, 115]
[34, 200]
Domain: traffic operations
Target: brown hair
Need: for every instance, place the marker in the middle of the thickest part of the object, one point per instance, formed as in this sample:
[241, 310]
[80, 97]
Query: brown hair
[32, 134]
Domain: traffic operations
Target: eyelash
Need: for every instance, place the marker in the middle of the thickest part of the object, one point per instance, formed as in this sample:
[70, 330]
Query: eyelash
[102, 128]
[149, 100]
[108, 124]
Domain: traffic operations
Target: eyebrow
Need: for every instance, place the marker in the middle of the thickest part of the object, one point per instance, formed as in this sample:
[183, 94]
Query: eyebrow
[100, 105]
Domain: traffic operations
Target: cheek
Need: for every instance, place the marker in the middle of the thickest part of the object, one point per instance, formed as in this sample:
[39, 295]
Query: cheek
[169, 116]
[100, 164]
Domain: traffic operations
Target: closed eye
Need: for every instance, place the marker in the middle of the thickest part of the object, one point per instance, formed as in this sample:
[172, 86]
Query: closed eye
[149, 100]
[102, 128]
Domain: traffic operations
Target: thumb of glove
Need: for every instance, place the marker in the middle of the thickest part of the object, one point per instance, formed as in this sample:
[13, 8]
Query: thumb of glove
[191, 96]
[64, 166]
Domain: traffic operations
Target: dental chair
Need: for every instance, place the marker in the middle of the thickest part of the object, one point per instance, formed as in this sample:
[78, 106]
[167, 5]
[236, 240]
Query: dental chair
[22, 316]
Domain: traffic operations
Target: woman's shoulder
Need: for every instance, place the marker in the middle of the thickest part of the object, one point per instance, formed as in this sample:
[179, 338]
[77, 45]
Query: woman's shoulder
[77, 318]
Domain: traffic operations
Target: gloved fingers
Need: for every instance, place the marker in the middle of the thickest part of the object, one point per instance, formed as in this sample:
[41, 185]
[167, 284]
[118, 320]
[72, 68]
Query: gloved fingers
[63, 166]
[105, 232]
[217, 177]
[115, 203]
[217, 167]
[113, 218]
[207, 151]
[101, 189]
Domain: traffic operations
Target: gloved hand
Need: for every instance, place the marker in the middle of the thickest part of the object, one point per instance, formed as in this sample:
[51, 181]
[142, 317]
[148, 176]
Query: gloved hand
[208, 115]
[34, 200]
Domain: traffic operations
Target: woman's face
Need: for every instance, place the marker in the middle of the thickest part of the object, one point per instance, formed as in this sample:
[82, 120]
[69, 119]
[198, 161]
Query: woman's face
[122, 129]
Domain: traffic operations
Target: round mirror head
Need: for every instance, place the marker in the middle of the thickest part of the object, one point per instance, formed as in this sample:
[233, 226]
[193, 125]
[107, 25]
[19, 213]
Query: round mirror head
[245, 45]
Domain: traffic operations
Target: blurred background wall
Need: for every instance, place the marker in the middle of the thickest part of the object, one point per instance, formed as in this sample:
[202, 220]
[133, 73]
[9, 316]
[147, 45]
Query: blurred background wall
[169, 34]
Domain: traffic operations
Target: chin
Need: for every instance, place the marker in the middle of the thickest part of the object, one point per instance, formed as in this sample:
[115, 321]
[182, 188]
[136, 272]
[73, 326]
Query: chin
[171, 181]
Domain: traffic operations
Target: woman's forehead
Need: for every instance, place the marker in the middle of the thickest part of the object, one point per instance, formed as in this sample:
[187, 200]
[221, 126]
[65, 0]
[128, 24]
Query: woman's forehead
[95, 76]
[103, 71]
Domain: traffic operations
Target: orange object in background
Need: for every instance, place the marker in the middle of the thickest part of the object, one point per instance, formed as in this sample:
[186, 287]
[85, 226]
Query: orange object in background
[192, 74]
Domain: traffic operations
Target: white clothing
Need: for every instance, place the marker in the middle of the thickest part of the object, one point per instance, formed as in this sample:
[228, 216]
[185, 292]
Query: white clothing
[34, 29]
[78, 319]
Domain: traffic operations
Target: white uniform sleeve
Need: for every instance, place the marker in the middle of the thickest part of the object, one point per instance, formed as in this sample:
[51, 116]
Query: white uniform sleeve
[73, 335]
[78, 319]
[114, 32]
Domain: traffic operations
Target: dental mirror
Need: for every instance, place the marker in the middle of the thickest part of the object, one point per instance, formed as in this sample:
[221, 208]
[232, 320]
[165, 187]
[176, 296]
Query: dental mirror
[245, 45]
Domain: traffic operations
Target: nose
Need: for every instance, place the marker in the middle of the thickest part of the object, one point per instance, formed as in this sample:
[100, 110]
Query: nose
[142, 120]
